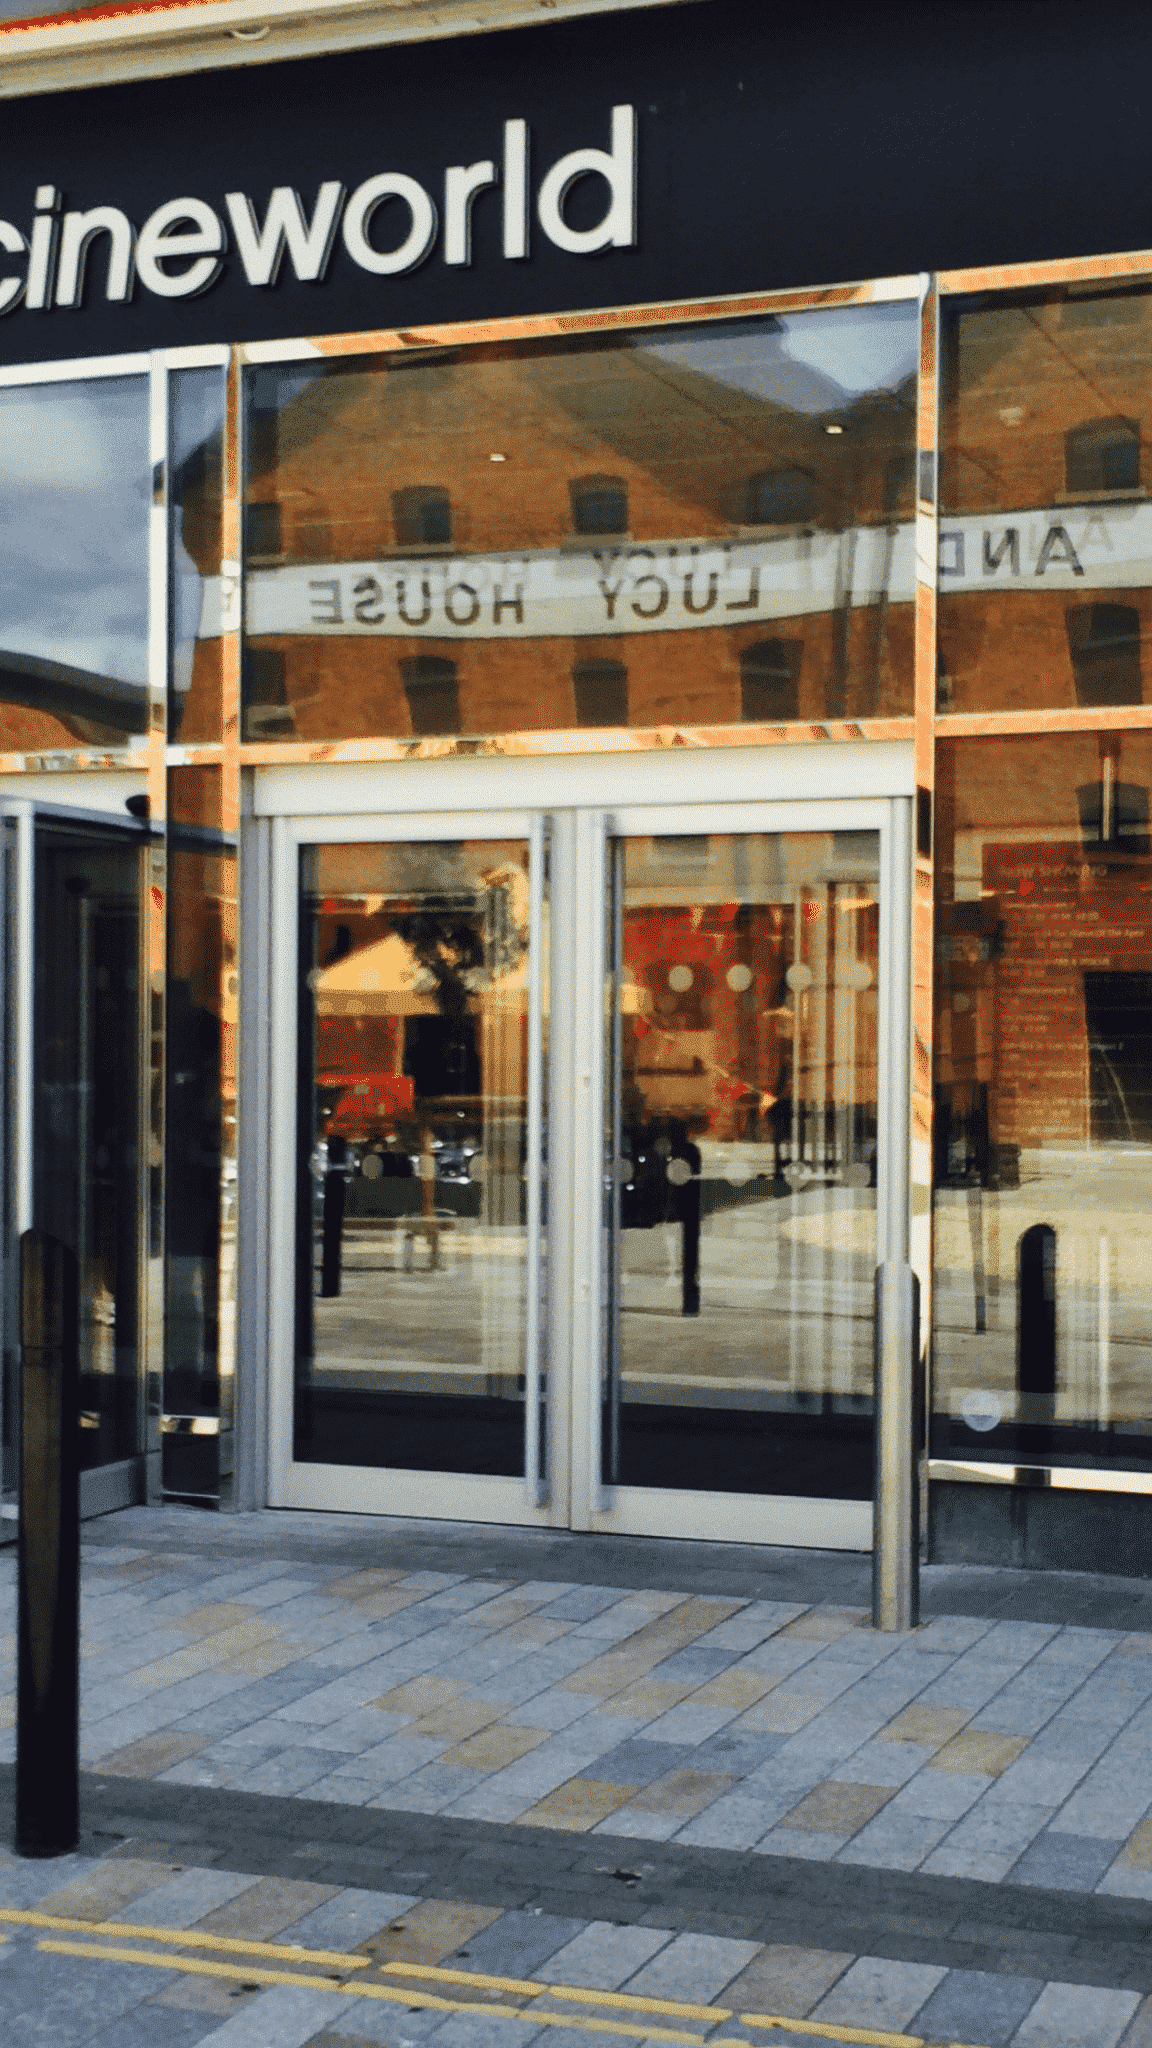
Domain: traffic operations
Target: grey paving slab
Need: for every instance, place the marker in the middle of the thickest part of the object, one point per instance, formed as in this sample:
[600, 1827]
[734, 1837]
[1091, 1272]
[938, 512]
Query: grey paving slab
[978, 2006]
[1065, 1862]
[606, 1955]
[286, 2016]
[185, 1899]
[348, 1919]
[694, 1967]
[874, 1992]
[988, 1841]
[1076, 2016]
[519, 1944]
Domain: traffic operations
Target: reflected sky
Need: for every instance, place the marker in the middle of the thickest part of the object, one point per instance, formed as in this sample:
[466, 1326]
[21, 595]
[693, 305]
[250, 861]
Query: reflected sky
[812, 362]
[74, 508]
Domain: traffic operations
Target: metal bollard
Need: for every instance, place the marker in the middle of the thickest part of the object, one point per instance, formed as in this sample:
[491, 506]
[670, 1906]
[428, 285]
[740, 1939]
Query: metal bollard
[899, 1428]
[48, 1657]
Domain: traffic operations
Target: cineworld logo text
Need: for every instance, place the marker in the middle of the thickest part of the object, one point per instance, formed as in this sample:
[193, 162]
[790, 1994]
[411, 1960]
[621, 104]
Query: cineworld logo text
[388, 224]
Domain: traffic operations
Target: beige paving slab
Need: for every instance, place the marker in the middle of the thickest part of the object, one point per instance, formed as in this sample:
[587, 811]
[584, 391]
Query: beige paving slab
[648, 1646]
[824, 1624]
[494, 1748]
[930, 1726]
[534, 1634]
[267, 1907]
[838, 1807]
[102, 1893]
[362, 1584]
[8, 1710]
[205, 1655]
[1137, 1851]
[781, 1713]
[152, 1754]
[219, 1614]
[645, 1699]
[613, 1671]
[378, 1606]
[428, 1932]
[1136, 1646]
[578, 1805]
[787, 1979]
[458, 1719]
[502, 1612]
[736, 1689]
[682, 1791]
[418, 1696]
[265, 1658]
[978, 1749]
[219, 1996]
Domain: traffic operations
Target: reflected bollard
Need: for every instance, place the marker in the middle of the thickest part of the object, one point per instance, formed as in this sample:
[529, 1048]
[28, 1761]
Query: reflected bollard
[48, 1618]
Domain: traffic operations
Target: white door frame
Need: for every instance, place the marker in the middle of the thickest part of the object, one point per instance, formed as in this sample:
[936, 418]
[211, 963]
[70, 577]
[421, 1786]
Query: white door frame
[795, 787]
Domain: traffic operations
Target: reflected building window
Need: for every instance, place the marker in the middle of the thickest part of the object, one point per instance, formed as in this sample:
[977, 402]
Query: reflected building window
[267, 713]
[781, 497]
[263, 529]
[601, 689]
[1103, 455]
[599, 504]
[422, 516]
[770, 681]
[432, 690]
[1104, 643]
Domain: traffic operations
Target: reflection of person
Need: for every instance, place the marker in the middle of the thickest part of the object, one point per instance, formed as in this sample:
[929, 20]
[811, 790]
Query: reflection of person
[193, 1199]
[664, 1187]
[335, 1187]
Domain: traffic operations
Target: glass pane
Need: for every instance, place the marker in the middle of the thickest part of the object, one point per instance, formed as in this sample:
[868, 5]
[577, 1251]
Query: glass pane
[742, 1164]
[200, 1111]
[75, 491]
[197, 402]
[412, 1156]
[704, 524]
[87, 1113]
[1043, 1037]
[1045, 527]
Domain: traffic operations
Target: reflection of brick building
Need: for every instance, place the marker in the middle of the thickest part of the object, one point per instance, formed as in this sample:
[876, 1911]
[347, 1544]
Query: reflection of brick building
[1044, 410]
[1044, 946]
[437, 458]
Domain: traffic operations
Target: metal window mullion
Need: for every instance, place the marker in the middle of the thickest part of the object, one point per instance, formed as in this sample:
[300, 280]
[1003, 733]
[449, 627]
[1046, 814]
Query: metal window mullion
[535, 1441]
[21, 1007]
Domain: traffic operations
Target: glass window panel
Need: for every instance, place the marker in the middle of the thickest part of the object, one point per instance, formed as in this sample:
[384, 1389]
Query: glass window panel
[87, 1112]
[741, 1164]
[200, 1116]
[412, 1155]
[1046, 525]
[197, 401]
[522, 514]
[75, 490]
[1043, 1050]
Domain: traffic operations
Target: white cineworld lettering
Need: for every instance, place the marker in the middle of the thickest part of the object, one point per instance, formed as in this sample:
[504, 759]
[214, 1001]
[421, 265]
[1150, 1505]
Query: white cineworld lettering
[389, 224]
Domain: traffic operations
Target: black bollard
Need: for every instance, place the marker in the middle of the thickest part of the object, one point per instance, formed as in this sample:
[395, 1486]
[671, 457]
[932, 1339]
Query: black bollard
[335, 1190]
[48, 1620]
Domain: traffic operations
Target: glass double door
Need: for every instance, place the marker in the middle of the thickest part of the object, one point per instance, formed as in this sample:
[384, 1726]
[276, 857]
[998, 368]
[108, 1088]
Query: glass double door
[588, 1152]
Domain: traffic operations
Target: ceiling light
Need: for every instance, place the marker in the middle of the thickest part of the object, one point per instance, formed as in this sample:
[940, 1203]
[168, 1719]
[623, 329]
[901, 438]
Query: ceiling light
[833, 430]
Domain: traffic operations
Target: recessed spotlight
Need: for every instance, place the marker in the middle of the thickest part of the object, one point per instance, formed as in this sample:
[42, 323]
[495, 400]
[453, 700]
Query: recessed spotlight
[833, 430]
[497, 458]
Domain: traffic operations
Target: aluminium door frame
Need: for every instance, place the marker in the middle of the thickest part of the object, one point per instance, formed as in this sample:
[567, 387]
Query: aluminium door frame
[817, 1522]
[432, 1495]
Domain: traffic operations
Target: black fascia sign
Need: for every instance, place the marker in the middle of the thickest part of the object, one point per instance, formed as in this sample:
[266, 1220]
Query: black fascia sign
[179, 251]
[644, 156]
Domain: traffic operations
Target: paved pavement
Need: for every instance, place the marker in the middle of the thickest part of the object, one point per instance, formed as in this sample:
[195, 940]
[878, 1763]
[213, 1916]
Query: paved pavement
[684, 1773]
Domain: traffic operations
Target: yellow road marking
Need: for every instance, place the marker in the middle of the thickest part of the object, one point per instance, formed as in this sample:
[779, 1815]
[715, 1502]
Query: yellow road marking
[340, 1961]
[187, 1937]
[531, 1987]
[200, 1966]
